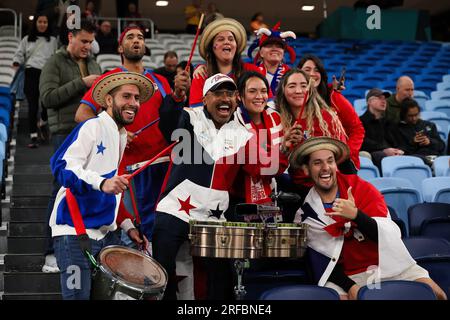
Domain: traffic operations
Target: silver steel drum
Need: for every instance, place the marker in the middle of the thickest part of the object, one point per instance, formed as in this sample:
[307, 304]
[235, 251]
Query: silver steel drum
[285, 240]
[127, 274]
[236, 240]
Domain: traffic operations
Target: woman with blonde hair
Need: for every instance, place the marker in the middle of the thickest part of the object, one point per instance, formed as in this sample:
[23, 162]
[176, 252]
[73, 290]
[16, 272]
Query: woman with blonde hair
[304, 114]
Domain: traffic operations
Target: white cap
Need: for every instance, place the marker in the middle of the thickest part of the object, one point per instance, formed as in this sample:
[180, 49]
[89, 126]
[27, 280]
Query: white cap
[215, 81]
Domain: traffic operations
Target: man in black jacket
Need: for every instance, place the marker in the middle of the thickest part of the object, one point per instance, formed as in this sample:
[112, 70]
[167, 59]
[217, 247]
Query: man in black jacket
[378, 140]
[416, 136]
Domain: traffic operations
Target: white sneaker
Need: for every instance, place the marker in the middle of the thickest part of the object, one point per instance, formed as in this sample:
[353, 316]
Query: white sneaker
[50, 265]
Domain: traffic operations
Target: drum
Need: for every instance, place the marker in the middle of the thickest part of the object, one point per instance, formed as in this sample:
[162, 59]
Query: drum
[236, 240]
[127, 274]
[285, 240]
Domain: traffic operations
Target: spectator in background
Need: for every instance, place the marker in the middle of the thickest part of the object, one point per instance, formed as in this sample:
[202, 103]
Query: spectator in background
[330, 93]
[132, 12]
[33, 52]
[257, 22]
[212, 13]
[169, 69]
[192, 14]
[50, 9]
[90, 13]
[378, 140]
[416, 136]
[106, 39]
[66, 76]
[404, 89]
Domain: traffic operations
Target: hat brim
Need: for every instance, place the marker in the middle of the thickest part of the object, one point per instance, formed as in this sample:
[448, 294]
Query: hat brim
[114, 80]
[217, 26]
[341, 150]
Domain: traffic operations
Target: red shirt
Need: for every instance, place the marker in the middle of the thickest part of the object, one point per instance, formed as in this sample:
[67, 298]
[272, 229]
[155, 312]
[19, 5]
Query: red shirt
[150, 141]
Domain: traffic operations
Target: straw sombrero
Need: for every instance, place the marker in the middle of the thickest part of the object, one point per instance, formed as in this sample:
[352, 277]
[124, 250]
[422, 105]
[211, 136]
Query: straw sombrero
[340, 150]
[114, 80]
[224, 24]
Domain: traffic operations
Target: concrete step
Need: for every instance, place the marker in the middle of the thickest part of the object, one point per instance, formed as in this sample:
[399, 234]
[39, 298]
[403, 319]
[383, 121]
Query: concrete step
[32, 179]
[31, 169]
[24, 282]
[32, 296]
[28, 214]
[29, 201]
[27, 229]
[33, 190]
[24, 262]
[21, 245]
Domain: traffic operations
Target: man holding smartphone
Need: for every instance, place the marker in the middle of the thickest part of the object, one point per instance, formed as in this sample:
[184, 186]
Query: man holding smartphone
[416, 136]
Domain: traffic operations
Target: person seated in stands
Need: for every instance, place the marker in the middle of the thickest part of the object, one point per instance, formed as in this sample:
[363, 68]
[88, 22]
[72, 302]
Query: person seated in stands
[352, 241]
[416, 136]
[378, 140]
[106, 39]
[169, 69]
[404, 89]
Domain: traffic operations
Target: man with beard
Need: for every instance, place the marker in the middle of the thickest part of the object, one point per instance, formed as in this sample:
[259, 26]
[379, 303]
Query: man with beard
[144, 138]
[352, 241]
[86, 206]
[215, 146]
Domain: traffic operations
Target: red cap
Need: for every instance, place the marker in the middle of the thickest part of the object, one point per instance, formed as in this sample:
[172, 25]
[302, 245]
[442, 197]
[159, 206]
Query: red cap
[124, 32]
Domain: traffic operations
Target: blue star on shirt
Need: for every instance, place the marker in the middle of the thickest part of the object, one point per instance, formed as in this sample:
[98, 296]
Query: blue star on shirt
[100, 148]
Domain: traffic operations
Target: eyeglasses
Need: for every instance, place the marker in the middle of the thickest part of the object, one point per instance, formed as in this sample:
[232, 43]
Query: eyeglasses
[227, 93]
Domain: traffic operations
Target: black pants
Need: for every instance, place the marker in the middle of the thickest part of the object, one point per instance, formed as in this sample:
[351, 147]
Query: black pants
[168, 235]
[31, 90]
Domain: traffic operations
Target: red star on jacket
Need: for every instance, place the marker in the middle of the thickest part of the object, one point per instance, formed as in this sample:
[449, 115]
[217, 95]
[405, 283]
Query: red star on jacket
[185, 205]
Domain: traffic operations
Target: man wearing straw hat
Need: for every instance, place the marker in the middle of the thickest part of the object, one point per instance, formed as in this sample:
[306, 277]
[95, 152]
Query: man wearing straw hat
[352, 240]
[86, 166]
[144, 137]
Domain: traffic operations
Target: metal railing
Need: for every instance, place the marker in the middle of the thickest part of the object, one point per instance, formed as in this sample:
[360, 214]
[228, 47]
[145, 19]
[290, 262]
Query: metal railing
[121, 23]
[17, 22]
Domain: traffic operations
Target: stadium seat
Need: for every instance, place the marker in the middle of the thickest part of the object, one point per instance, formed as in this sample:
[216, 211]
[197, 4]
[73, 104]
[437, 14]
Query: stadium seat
[439, 270]
[300, 292]
[427, 247]
[399, 222]
[368, 170]
[441, 165]
[436, 117]
[443, 86]
[436, 189]
[408, 167]
[399, 194]
[440, 95]
[421, 212]
[439, 106]
[360, 106]
[436, 227]
[397, 290]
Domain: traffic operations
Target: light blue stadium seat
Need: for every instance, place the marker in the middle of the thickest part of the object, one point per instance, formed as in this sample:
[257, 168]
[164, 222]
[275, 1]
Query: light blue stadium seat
[397, 290]
[439, 106]
[3, 133]
[439, 118]
[300, 292]
[408, 167]
[441, 166]
[360, 106]
[440, 95]
[436, 189]
[368, 170]
[399, 193]
[443, 86]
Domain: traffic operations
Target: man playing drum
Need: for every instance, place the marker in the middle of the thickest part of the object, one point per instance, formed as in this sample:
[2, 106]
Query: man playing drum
[86, 206]
[351, 238]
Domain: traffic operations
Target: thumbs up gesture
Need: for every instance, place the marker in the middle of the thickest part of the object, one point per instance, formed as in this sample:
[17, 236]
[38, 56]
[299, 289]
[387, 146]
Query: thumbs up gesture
[345, 208]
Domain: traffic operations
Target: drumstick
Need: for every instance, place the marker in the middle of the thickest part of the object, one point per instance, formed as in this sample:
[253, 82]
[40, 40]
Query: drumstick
[149, 162]
[146, 126]
[195, 42]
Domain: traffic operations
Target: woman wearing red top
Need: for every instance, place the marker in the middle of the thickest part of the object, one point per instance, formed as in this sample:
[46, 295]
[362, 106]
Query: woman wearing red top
[354, 129]
[221, 45]
[311, 119]
[265, 123]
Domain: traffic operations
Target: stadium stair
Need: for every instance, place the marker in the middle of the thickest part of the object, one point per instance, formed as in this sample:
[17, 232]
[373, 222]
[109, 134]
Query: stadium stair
[31, 189]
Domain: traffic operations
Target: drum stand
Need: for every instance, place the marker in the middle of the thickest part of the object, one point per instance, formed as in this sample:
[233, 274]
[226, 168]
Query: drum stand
[239, 289]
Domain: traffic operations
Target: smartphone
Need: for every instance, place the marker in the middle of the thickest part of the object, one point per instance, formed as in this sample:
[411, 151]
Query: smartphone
[418, 133]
